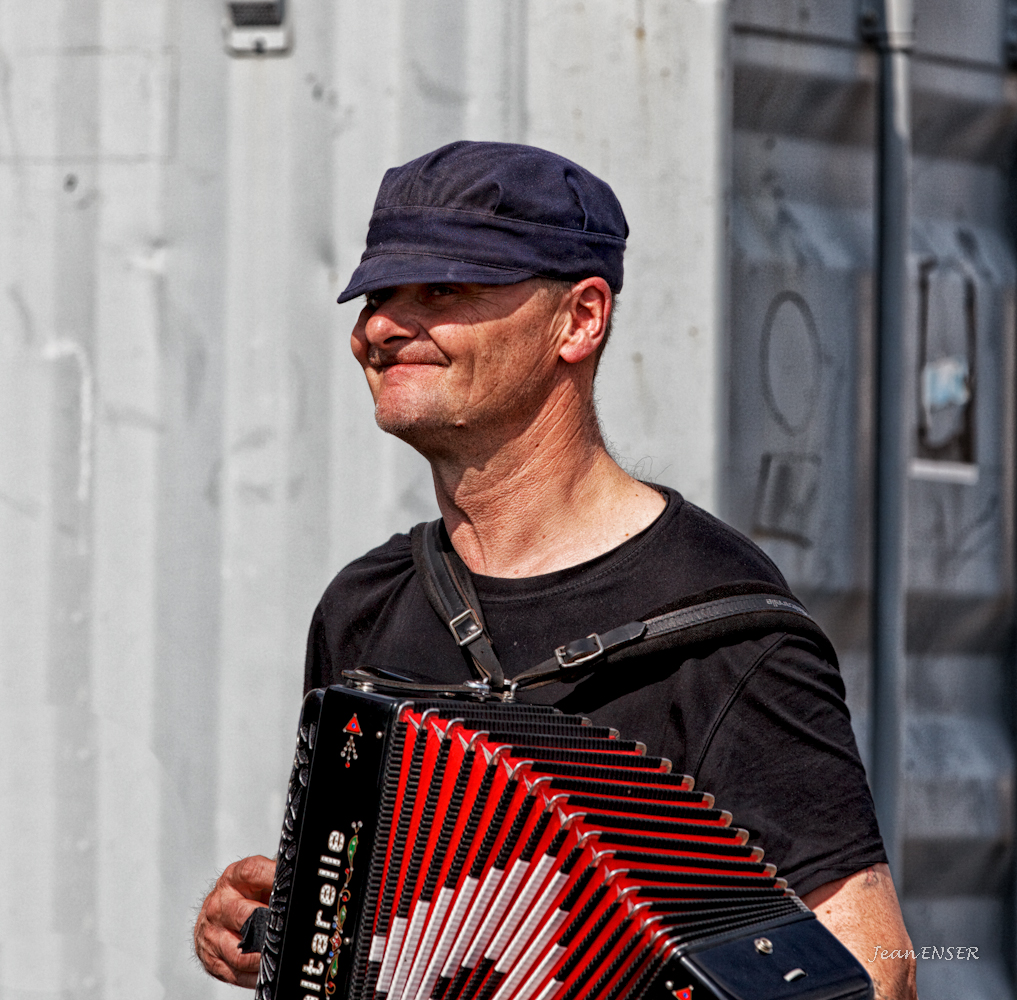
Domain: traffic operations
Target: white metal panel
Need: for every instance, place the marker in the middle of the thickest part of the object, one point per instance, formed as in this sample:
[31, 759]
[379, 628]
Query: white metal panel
[132, 107]
[637, 93]
[255, 451]
[192, 303]
[49, 866]
[187, 447]
[380, 485]
[28, 816]
[496, 71]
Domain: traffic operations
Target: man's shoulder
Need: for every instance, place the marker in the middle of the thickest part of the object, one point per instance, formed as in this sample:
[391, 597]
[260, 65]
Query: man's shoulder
[374, 611]
[371, 575]
[705, 552]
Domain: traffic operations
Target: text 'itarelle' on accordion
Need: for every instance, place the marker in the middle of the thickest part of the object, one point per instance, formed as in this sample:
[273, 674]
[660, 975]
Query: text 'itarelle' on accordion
[454, 850]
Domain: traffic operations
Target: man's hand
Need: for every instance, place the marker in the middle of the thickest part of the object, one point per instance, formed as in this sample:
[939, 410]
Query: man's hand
[862, 912]
[240, 890]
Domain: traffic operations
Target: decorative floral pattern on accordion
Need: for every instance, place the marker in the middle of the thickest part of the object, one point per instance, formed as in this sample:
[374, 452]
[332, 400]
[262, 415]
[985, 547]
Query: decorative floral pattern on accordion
[336, 941]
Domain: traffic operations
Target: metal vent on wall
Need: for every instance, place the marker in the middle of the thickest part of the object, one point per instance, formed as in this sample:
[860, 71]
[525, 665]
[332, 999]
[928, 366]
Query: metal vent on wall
[256, 27]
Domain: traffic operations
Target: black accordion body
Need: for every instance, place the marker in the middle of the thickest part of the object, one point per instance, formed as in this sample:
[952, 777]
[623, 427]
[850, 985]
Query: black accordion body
[456, 850]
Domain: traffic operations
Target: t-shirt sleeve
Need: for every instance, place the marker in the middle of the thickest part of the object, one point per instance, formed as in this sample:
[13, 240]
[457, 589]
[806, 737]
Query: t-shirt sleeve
[784, 755]
[317, 660]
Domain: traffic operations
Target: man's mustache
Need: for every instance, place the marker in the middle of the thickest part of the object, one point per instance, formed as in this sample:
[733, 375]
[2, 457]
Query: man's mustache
[407, 354]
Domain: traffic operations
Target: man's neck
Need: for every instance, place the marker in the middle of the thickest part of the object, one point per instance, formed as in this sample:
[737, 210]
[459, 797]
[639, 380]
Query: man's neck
[548, 498]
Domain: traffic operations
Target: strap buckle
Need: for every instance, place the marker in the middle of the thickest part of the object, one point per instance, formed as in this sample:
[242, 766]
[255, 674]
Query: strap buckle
[466, 627]
[579, 651]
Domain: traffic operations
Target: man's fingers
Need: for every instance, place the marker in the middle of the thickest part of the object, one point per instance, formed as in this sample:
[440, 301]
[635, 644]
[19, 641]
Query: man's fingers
[252, 877]
[218, 950]
[234, 911]
[248, 979]
[221, 957]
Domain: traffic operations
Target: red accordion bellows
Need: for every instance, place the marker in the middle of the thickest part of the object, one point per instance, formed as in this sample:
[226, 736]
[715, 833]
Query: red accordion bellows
[461, 851]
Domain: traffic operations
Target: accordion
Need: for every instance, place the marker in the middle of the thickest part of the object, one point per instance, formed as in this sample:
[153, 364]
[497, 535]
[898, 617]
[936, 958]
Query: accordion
[456, 850]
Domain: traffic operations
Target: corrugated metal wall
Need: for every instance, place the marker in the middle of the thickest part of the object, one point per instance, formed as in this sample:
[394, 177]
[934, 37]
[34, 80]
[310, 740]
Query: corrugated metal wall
[800, 402]
[187, 452]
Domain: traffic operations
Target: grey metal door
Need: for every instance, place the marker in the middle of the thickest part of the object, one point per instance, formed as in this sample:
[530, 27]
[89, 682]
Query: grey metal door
[799, 450]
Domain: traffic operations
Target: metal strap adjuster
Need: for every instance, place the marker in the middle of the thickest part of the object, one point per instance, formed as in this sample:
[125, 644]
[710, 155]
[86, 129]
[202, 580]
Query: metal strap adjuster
[466, 627]
[579, 651]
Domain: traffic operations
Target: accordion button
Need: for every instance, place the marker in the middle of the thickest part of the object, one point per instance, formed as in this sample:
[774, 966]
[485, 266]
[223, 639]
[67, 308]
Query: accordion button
[764, 946]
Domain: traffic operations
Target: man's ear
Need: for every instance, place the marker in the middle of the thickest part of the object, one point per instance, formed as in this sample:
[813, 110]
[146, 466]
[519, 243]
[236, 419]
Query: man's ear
[587, 308]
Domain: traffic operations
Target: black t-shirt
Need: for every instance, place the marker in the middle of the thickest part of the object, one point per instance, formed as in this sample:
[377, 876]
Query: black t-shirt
[761, 723]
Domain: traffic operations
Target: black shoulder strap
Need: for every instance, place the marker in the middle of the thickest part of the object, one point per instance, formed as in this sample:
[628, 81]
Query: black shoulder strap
[724, 618]
[722, 614]
[451, 593]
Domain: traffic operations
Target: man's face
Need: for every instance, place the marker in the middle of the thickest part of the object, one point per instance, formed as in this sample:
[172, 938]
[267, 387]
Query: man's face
[444, 359]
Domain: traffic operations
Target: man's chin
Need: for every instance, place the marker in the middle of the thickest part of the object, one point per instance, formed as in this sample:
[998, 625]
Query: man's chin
[432, 434]
[408, 424]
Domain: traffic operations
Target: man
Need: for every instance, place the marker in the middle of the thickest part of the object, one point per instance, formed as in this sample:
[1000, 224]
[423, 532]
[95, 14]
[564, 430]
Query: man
[490, 275]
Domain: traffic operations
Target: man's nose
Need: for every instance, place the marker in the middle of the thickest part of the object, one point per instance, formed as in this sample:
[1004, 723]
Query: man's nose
[394, 319]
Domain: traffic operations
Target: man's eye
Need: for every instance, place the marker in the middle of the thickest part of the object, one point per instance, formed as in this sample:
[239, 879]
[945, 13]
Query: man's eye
[373, 300]
[440, 290]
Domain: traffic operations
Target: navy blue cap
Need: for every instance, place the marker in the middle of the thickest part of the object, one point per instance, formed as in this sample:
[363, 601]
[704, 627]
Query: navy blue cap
[494, 213]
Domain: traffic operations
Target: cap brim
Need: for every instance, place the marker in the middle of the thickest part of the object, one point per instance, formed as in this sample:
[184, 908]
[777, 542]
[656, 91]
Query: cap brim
[389, 269]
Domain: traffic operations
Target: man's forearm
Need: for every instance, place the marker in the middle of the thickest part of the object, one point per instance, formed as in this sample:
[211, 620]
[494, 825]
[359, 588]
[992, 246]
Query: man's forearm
[862, 911]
